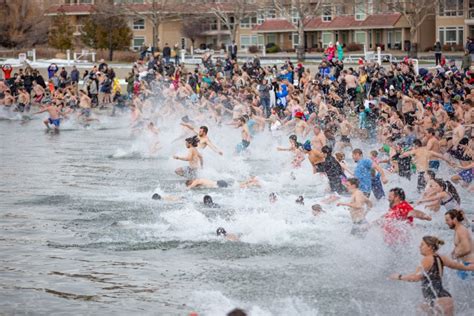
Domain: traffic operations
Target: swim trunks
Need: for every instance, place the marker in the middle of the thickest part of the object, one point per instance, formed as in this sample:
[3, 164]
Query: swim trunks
[189, 173]
[466, 175]
[464, 275]
[377, 187]
[359, 229]
[434, 164]
[242, 146]
[421, 185]
[54, 122]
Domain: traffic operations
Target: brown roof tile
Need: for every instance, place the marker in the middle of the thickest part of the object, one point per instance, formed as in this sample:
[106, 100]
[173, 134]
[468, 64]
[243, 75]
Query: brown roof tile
[275, 25]
[70, 9]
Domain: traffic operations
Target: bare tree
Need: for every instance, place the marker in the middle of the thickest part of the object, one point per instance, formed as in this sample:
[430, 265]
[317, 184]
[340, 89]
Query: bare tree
[233, 12]
[193, 27]
[22, 24]
[416, 12]
[302, 11]
[155, 12]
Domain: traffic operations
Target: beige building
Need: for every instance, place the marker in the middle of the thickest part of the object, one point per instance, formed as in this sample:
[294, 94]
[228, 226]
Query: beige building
[345, 22]
[455, 22]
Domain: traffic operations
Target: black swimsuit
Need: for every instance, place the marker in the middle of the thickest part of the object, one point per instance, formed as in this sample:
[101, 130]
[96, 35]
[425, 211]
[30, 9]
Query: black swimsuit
[431, 285]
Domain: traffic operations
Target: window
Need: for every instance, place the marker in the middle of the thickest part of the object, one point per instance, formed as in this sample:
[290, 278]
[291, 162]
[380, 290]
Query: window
[451, 35]
[360, 37]
[251, 40]
[295, 17]
[359, 11]
[326, 38]
[262, 15]
[248, 22]
[327, 13]
[213, 25]
[295, 39]
[138, 42]
[139, 24]
[451, 8]
[272, 38]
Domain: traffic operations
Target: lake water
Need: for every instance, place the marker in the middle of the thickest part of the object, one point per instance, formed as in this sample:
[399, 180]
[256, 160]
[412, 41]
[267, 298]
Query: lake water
[80, 234]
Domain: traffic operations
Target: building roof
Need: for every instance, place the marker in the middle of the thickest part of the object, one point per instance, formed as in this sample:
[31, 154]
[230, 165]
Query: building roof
[275, 25]
[349, 22]
[76, 9]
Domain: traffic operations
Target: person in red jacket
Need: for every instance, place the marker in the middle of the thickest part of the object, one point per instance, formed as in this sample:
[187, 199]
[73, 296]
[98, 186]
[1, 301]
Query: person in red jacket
[7, 71]
[400, 216]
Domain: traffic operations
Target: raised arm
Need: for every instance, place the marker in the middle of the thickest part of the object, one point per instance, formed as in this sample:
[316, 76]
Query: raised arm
[420, 215]
[456, 265]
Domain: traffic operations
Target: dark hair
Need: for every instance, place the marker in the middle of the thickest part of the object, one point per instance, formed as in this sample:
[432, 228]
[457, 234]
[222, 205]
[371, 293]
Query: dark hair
[431, 174]
[357, 151]
[156, 196]
[449, 187]
[354, 181]
[399, 192]
[300, 200]
[326, 150]
[417, 142]
[205, 129]
[455, 214]
[207, 199]
[193, 140]
[433, 242]
[221, 231]
[189, 182]
[236, 312]
[293, 137]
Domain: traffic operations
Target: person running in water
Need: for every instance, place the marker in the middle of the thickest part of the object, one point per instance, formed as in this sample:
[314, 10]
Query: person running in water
[363, 171]
[241, 147]
[357, 207]
[204, 140]
[437, 300]
[463, 244]
[54, 116]
[194, 158]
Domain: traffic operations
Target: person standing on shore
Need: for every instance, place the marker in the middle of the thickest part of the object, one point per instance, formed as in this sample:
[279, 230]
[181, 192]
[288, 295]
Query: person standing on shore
[437, 50]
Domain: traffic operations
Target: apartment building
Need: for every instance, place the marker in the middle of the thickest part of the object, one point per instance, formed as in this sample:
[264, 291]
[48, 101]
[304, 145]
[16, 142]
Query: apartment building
[350, 21]
[455, 22]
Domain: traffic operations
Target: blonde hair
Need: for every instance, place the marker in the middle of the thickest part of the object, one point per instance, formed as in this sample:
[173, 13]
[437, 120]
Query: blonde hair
[340, 156]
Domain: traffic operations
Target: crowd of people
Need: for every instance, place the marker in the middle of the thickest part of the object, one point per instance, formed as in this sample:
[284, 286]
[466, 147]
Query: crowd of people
[420, 124]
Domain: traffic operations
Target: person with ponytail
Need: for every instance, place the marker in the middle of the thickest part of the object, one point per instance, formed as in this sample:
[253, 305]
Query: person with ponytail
[463, 244]
[444, 194]
[437, 300]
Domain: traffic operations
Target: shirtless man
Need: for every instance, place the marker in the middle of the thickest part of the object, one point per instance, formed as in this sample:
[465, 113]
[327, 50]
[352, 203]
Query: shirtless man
[319, 139]
[315, 157]
[433, 145]
[422, 161]
[204, 140]
[206, 183]
[85, 105]
[194, 158]
[463, 244]
[54, 116]
[301, 127]
[458, 131]
[345, 130]
[8, 100]
[23, 100]
[351, 85]
[357, 207]
[245, 136]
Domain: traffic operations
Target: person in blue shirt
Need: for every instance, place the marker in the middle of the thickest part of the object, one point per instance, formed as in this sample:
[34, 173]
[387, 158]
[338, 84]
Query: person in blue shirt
[363, 171]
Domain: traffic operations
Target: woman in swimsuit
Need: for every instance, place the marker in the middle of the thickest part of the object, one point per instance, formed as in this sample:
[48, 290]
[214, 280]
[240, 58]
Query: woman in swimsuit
[438, 301]
[443, 194]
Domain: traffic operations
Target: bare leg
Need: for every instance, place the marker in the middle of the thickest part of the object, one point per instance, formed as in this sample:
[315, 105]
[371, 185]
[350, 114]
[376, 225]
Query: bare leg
[46, 122]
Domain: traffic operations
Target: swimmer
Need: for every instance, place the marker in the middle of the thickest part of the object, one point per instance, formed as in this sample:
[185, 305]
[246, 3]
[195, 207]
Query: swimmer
[272, 197]
[251, 182]
[300, 200]
[158, 197]
[437, 300]
[295, 148]
[207, 200]
[205, 183]
[356, 206]
[194, 158]
[463, 244]
[231, 237]
[317, 209]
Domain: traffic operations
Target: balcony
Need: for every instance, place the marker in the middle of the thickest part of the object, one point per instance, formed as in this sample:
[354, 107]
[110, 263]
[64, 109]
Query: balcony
[469, 19]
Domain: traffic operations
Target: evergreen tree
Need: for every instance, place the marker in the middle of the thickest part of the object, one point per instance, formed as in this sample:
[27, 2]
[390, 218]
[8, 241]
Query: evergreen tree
[60, 35]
